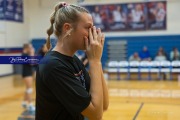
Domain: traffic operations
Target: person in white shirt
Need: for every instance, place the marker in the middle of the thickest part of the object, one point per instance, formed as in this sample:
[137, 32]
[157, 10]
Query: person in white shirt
[160, 57]
[159, 12]
[97, 18]
[118, 15]
[174, 55]
[135, 57]
[137, 14]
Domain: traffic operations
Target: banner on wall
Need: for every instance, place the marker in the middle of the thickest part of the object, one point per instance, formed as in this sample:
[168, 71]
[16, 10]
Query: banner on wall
[11, 10]
[18, 11]
[129, 17]
[2, 9]
[109, 17]
[136, 16]
[157, 15]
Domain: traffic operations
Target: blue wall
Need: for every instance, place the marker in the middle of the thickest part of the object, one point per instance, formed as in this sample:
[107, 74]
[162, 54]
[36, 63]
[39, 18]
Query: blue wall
[135, 44]
[37, 43]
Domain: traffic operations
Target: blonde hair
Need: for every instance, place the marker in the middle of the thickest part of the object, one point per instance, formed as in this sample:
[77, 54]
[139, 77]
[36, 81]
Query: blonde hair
[63, 14]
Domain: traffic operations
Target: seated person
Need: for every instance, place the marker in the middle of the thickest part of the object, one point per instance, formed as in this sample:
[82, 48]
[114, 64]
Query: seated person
[144, 54]
[160, 57]
[135, 57]
[174, 55]
[161, 49]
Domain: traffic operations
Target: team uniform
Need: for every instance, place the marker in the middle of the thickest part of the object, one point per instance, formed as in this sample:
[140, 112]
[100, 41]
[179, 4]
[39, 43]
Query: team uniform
[118, 16]
[160, 16]
[97, 20]
[62, 88]
[136, 16]
[27, 69]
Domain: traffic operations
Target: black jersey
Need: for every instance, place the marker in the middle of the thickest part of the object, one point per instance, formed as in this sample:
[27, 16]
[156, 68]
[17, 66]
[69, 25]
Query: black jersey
[62, 88]
[27, 69]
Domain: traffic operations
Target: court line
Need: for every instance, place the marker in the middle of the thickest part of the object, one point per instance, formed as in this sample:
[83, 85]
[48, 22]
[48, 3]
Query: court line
[138, 111]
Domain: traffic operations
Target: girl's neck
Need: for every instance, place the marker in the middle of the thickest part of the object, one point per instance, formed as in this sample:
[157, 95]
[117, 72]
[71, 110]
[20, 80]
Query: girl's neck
[63, 49]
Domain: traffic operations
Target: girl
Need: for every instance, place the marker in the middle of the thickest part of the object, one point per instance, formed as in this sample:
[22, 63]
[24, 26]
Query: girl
[65, 90]
[27, 74]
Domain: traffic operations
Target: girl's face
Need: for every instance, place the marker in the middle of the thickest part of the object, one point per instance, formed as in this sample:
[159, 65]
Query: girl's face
[81, 30]
[30, 48]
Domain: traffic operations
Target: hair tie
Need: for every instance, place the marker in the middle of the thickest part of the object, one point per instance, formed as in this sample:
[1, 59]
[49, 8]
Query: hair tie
[63, 4]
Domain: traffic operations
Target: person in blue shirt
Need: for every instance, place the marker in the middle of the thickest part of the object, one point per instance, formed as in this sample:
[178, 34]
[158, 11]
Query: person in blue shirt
[144, 54]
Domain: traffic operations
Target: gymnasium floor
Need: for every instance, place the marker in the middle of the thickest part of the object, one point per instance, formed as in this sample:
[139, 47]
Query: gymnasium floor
[129, 100]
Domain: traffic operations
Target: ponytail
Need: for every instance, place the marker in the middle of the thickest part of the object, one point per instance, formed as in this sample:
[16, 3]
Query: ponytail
[50, 32]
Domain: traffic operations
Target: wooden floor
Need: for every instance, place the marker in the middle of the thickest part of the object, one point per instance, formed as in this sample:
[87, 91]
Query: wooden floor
[129, 100]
